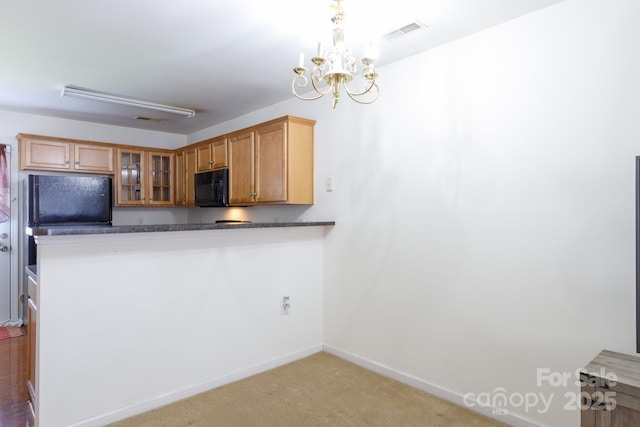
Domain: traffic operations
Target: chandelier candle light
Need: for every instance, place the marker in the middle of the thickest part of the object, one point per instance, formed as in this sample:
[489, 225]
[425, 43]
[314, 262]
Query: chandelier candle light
[335, 67]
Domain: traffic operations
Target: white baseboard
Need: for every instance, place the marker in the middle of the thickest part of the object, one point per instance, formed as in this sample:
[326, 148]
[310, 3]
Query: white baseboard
[158, 401]
[11, 323]
[510, 418]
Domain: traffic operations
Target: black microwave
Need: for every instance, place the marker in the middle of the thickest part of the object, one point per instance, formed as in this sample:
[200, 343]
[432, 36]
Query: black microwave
[212, 188]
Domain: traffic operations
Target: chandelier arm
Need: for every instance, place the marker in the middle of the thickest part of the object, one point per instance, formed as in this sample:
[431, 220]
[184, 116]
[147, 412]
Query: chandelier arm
[368, 89]
[359, 101]
[316, 76]
[321, 92]
[305, 98]
[303, 84]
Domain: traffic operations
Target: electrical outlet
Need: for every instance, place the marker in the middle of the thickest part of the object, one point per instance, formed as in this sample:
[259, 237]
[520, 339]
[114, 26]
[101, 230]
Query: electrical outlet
[140, 220]
[285, 305]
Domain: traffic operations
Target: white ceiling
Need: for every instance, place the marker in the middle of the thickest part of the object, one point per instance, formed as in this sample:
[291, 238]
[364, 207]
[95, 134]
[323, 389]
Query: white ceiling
[223, 58]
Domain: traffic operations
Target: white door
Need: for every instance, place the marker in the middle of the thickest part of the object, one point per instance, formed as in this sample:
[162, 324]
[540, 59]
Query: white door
[5, 236]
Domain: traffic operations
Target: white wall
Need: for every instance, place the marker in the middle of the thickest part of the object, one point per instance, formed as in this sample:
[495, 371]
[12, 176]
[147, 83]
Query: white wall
[507, 241]
[484, 206]
[138, 216]
[131, 322]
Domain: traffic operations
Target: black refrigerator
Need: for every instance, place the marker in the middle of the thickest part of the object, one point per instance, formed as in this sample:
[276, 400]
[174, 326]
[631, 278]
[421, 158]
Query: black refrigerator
[62, 201]
[65, 201]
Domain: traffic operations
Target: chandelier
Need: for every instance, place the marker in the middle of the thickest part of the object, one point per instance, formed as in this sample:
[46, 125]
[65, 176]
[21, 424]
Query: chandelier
[334, 68]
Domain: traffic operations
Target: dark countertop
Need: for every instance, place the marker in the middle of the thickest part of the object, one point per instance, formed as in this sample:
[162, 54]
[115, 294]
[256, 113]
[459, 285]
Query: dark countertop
[121, 229]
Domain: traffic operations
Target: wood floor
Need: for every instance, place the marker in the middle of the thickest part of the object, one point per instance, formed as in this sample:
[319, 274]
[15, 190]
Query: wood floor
[13, 382]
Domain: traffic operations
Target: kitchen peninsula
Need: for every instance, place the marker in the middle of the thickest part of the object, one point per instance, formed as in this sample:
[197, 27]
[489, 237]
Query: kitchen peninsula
[130, 318]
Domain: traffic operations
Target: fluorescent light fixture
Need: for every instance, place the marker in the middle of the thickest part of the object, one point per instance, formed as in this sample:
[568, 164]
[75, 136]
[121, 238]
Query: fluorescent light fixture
[79, 92]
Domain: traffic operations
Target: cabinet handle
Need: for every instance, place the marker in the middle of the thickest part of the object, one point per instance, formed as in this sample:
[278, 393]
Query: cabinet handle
[77, 163]
[66, 162]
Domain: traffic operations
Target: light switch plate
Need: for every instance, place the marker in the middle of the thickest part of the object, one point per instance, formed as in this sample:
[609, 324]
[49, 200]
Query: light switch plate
[329, 184]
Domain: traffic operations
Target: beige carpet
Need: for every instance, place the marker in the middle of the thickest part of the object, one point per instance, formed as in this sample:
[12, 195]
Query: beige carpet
[320, 390]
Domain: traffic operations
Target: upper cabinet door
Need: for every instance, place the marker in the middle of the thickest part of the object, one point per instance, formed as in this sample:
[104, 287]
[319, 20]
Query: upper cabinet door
[241, 177]
[95, 158]
[212, 155]
[204, 155]
[189, 170]
[130, 181]
[270, 163]
[185, 166]
[219, 150]
[181, 175]
[44, 154]
[161, 191]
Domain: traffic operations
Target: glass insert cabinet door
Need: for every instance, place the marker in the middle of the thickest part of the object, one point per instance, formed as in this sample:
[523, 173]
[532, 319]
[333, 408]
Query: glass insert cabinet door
[131, 180]
[161, 178]
[145, 178]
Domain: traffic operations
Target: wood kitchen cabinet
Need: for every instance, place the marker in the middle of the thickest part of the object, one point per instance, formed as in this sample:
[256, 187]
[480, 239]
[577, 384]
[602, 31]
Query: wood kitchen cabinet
[161, 179]
[272, 163]
[241, 170]
[212, 154]
[65, 155]
[32, 331]
[185, 170]
[180, 178]
[145, 178]
[130, 180]
[610, 391]
[269, 163]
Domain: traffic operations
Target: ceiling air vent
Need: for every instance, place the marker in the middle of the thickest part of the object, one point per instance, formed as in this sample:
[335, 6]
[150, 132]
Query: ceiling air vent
[409, 28]
[149, 119]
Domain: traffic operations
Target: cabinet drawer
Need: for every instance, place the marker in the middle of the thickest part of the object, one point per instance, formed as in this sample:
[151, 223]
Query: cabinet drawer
[33, 289]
